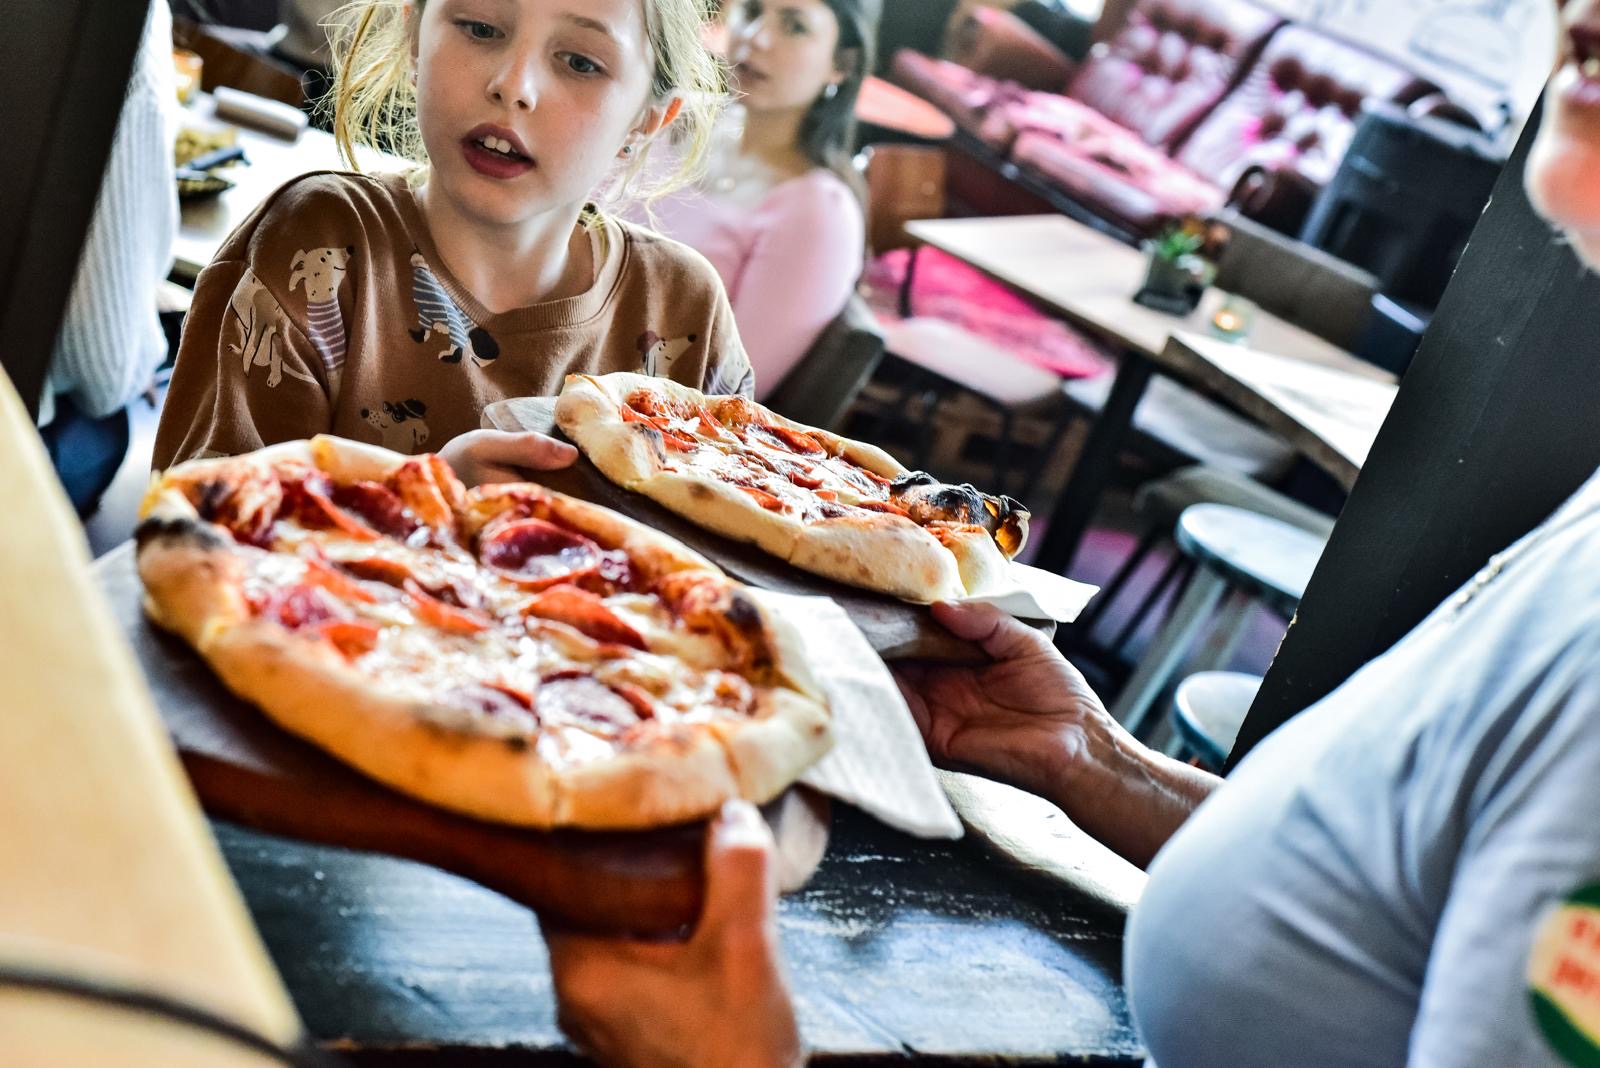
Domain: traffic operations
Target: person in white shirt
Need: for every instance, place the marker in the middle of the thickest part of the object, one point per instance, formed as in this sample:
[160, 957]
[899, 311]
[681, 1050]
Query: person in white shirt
[111, 340]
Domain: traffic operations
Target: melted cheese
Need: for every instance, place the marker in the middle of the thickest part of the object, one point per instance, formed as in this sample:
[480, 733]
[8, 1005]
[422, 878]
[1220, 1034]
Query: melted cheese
[682, 673]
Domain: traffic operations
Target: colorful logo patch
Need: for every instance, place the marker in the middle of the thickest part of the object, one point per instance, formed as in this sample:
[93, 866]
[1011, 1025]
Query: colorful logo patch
[1564, 978]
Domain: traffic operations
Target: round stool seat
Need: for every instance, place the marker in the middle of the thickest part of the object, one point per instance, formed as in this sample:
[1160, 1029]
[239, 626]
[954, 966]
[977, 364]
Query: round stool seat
[1265, 557]
[1159, 502]
[1208, 710]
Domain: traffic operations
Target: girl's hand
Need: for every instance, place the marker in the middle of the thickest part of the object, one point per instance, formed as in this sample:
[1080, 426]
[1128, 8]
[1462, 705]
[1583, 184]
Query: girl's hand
[1019, 719]
[718, 1000]
[480, 456]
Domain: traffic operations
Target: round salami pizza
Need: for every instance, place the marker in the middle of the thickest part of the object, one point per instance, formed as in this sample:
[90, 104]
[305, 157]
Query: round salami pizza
[505, 652]
[835, 507]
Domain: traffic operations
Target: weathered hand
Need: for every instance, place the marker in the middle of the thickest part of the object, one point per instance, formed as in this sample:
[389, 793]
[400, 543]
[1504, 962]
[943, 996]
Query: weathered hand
[1020, 719]
[481, 456]
[718, 1000]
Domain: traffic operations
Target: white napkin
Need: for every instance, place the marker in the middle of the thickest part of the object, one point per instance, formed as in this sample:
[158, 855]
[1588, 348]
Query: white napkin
[247, 109]
[878, 762]
[1037, 594]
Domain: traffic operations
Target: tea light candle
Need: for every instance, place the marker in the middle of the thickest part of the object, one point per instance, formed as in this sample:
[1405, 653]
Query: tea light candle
[1232, 321]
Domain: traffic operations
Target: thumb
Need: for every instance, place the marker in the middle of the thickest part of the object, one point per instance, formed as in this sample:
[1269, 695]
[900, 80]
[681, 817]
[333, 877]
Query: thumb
[526, 449]
[1000, 635]
[741, 872]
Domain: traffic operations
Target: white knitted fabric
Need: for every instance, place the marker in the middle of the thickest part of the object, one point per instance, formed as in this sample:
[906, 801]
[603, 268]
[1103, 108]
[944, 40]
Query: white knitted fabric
[111, 341]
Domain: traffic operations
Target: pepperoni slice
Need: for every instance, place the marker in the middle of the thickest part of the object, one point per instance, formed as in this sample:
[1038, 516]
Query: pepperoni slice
[300, 605]
[311, 499]
[379, 506]
[379, 569]
[764, 499]
[352, 637]
[586, 613]
[430, 490]
[583, 699]
[491, 700]
[436, 613]
[537, 554]
[522, 697]
[319, 573]
[797, 441]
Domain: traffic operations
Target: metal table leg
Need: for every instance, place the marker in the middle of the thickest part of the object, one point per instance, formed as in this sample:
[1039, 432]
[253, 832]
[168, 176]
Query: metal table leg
[1081, 497]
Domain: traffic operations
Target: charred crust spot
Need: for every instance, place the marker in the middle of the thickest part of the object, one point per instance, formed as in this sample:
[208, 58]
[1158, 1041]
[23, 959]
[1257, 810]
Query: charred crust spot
[180, 528]
[655, 440]
[910, 479]
[743, 613]
[517, 743]
[213, 495]
[699, 490]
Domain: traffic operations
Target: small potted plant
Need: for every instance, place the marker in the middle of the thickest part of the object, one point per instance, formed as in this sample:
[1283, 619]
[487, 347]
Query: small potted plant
[1182, 263]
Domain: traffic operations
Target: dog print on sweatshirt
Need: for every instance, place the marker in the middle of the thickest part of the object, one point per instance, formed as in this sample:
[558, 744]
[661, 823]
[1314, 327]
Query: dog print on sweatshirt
[440, 319]
[320, 272]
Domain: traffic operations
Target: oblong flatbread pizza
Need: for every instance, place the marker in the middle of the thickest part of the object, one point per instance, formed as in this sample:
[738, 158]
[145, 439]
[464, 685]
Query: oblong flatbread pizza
[505, 652]
[829, 505]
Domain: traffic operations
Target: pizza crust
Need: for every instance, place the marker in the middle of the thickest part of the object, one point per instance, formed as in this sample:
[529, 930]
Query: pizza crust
[194, 576]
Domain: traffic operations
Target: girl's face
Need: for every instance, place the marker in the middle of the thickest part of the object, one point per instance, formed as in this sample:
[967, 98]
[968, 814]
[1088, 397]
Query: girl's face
[1563, 173]
[782, 52]
[523, 105]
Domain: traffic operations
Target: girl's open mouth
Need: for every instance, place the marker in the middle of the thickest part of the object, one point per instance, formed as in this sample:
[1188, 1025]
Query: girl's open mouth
[495, 153]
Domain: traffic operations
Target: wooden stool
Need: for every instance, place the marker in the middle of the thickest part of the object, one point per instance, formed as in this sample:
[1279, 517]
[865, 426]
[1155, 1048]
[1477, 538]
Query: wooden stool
[1234, 550]
[1157, 505]
[1207, 712]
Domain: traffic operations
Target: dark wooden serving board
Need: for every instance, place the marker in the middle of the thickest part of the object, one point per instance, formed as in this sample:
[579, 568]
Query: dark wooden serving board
[898, 630]
[247, 770]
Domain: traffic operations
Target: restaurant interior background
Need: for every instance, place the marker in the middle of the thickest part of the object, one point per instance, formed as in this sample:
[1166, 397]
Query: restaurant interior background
[1021, 189]
[1333, 232]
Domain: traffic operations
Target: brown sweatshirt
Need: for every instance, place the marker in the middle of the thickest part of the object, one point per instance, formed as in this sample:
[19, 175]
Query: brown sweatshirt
[330, 311]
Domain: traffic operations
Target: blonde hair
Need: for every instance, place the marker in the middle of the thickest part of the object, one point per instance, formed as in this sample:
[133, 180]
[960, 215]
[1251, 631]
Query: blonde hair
[374, 102]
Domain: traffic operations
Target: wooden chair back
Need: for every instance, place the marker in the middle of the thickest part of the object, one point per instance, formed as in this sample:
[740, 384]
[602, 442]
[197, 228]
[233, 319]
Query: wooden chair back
[904, 182]
[823, 385]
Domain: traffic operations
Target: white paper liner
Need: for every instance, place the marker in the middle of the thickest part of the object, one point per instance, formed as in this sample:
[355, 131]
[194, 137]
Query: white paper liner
[1038, 594]
[878, 762]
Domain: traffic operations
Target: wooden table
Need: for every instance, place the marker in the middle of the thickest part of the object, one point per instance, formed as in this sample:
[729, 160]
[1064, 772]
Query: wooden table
[1331, 415]
[898, 949]
[205, 224]
[1088, 279]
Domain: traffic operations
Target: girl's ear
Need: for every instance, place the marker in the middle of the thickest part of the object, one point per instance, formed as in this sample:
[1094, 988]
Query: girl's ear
[657, 116]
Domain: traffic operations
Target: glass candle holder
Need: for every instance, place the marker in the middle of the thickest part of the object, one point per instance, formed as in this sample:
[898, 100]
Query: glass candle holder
[1233, 320]
[187, 66]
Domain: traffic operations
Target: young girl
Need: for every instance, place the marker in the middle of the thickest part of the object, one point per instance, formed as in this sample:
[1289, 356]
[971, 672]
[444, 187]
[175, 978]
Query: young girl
[392, 311]
[776, 213]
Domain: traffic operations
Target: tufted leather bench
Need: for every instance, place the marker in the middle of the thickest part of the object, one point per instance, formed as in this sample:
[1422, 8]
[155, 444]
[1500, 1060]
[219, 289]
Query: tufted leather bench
[1171, 63]
[1192, 103]
[1297, 109]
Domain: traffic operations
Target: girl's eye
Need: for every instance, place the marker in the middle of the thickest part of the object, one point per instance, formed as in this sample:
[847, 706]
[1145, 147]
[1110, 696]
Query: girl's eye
[478, 31]
[795, 26]
[581, 64]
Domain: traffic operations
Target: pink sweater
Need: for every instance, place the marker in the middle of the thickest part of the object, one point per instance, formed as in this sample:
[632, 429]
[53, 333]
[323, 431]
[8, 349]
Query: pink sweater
[789, 264]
